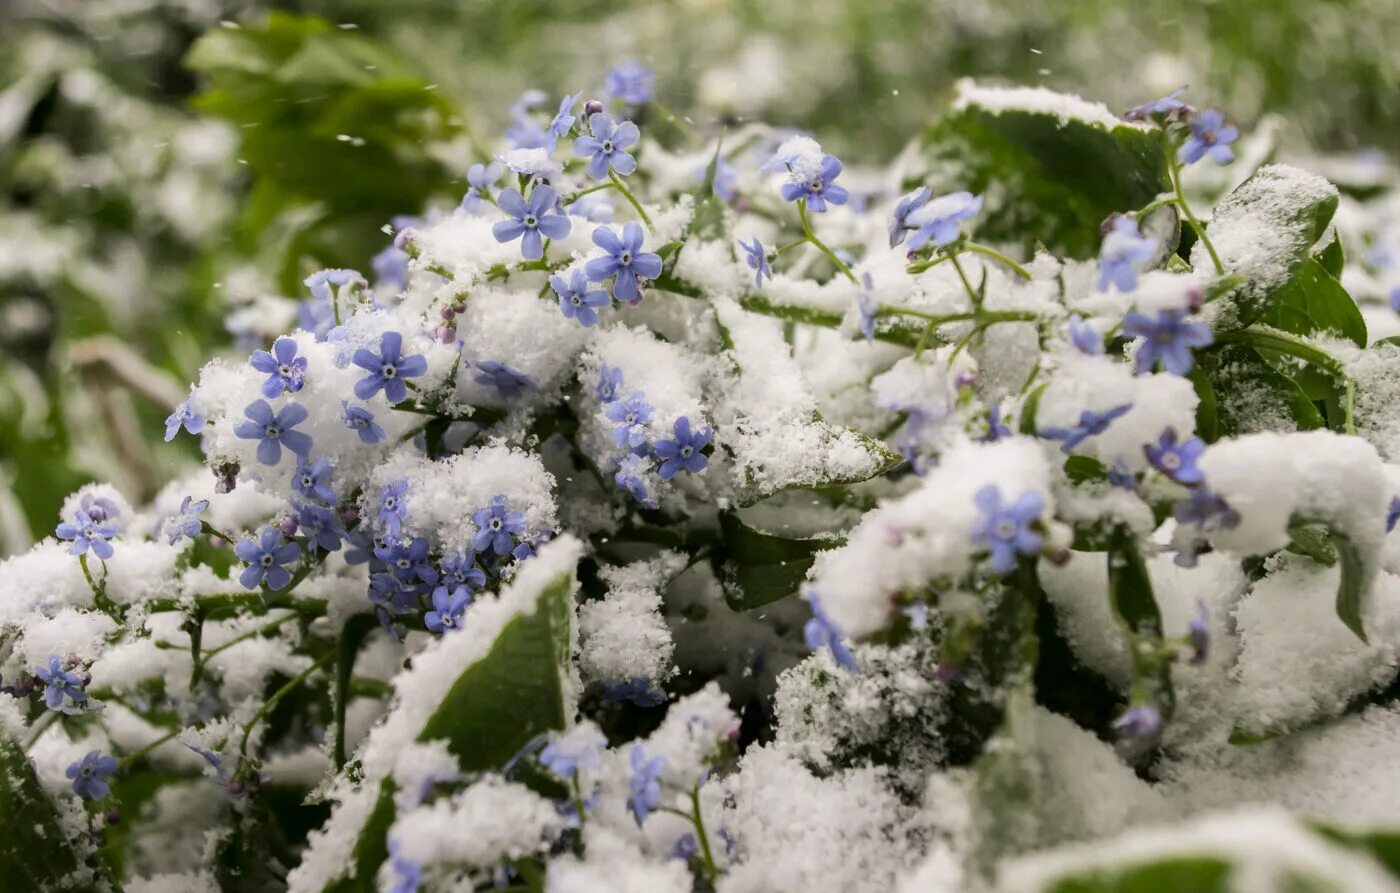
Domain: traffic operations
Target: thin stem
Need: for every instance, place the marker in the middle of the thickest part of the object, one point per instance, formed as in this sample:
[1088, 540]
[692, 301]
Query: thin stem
[1160, 202]
[1283, 342]
[1351, 407]
[789, 246]
[99, 591]
[1174, 167]
[140, 752]
[971, 292]
[997, 256]
[211, 530]
[36, 731]
[277, 696]
[627, 194]
[812, 237]
[710, 868]
[252, 633]
[575, 196]
[923, 265]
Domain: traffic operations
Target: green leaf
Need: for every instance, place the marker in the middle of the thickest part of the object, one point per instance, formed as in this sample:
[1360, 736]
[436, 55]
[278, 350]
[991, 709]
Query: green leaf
[1028, 410]
[1207, 414]
[1356, 579]
[35, 853]
[517, 690]
[1251, 395]
[1279, 207]
[756, 568]
[1314, 301]
[1198, 874]
[1131, 596]
[1084, 468]
[1049, 178]
[1332, 256]
[1382, 844]
[1312, 542]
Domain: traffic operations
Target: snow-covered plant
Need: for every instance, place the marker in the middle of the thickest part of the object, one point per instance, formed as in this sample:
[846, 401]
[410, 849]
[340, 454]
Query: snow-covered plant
[700, 515]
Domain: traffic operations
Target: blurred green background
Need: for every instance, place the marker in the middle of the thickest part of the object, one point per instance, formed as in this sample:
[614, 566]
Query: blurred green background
[170, 171]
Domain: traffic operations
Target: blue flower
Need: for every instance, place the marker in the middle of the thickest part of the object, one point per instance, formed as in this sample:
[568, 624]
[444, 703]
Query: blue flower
[480, 180]
[361, 421]
[495, 526]
[63, 689]
[90, 773]
[265, 557]
[1210, 135]
[320, 283]
[757, 259]
[1119, 476]
[644, 783]
[683, 451]
[313, 480]
[1202, 508]
[685, 848]
[940, 221]
[630, 82]
[1199, 633]
[866, 306]
[1166, 107]
[390, 594]
[576, 301]
[820, 190]
[819, 632]
[183, 417]
[462, 570]
[509, 381]
[391, 265]
[320, 525]
[531, 221]
[606, 145]
[87, 532]
[408, 875]
[631, 476]
[1168, 338]
[1005, 530]
[392, 506]
[625, 259]
[564, 757]
[639, 691]
[408, 560]
[1084, 337]
[187, 523]
[996, 428]
[1090, 424]
[726, 181]
[609, 380]
[523, 132]
[285, 370]
[1139, 722]
[274, 431]
[908, 204]
[1394, 305]
[1177, 460]
[448, 608]
[387, 369]
[630, 417]
[563, 120]
[1123, 250]
[1392, 514]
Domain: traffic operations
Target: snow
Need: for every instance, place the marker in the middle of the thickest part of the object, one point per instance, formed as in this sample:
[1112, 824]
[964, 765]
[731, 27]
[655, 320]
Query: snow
[1064, 106]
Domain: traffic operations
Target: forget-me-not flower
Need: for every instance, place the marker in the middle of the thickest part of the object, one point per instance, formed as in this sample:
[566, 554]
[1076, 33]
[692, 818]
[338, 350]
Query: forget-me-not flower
[506, 379]
[531, 220]
[392, 506]
[1210, 135]
[1084, 337]
[630, 82]
[274, 431]
[629, 416]
[183, 417]
[940, 221]
[87, 533]
[577, 301]
[63, 689]
[285, 370]
[361, 421]
[644, 783]
[481, 178]
[265, 557]
[448, 607]
[820, 190]
[624, 259]
[908, 204]
[683, 450]
[1168, 338]
[186, 522]
[820, 632]
[313, 480]
[388, 369]
[606, 145]
[90, 775]
[1004, 530]
[1124, 249]
[1177, 460]
[757, 258]
[1090, 424]
[495, 526]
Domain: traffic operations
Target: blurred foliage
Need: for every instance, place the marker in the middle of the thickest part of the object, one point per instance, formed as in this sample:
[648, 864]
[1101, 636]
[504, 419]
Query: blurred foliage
[164, 163]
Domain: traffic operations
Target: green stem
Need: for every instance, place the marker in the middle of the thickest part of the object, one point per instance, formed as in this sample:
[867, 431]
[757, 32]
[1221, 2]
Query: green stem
[575, 196]
[789, 246]
[627, 194]
[971, 292]
[128, 760]
[1175, 169]
[1286, 343]
[711, 870]
[1160, 202]
[36, 730]
[923, 265]
[1351, 407]
[252, 633]
[99, 590]
[277, 696]
[211, 530]
[999, 257]
[812, 237]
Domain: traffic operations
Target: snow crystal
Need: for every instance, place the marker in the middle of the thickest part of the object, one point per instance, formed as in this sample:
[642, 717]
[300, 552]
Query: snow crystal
[623, 635]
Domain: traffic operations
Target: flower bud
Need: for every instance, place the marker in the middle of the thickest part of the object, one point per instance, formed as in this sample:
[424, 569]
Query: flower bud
[592, 107]
[288, 525]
